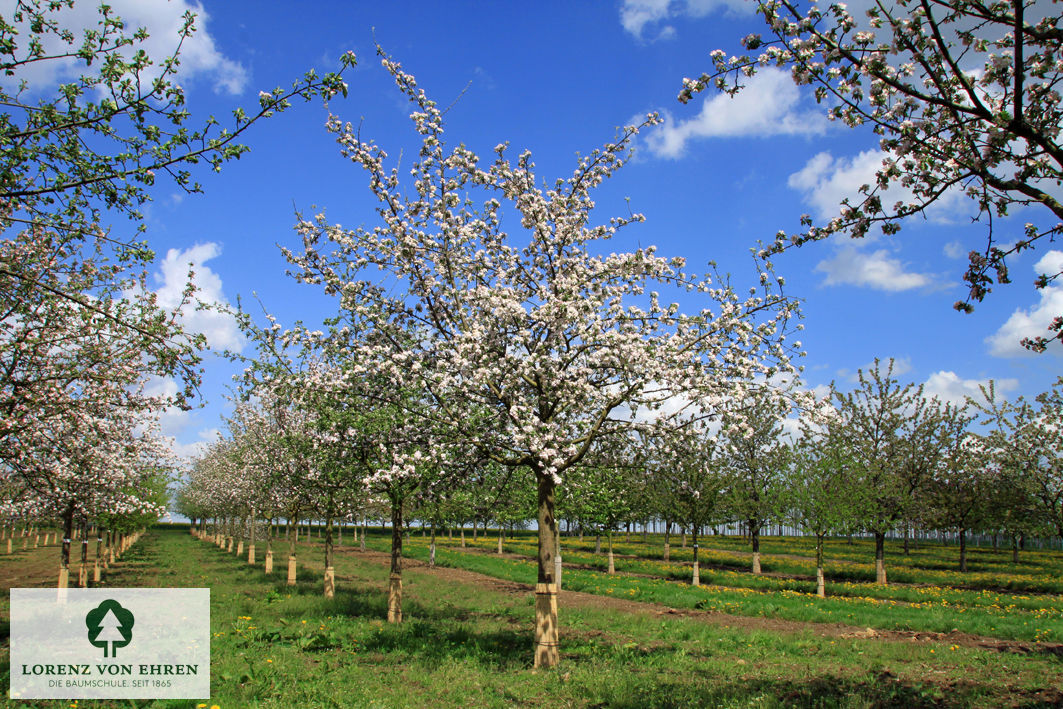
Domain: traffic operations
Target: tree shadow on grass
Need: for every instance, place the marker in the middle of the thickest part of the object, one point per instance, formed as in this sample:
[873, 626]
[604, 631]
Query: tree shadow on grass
[429, 633]
[435, 640]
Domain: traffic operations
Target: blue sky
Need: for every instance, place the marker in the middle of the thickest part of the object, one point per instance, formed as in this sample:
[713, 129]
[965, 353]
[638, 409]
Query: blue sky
[558, 78]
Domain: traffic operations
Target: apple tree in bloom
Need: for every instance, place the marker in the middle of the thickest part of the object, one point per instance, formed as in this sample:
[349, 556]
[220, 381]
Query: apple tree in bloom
[964, 96]
[71, 154]
[1024, 447]
[601, 488]
[755, 450]
[960, 491]
[892, 439]
[95, 464]
[691, 477]
[820, 483]
[490, 294]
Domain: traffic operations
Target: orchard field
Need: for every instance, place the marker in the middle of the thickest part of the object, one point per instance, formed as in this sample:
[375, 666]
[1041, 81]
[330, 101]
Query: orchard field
[641, 637]
[501, 343]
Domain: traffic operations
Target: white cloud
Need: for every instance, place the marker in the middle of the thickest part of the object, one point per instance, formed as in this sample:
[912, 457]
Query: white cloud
[189, 451]
[949, 387]
[637, 15]
[1007, 341]
[163, 19]
[174, 422]
[767, 106]
[219, 328]
[876, 270]
[954, 249]
[825, 181]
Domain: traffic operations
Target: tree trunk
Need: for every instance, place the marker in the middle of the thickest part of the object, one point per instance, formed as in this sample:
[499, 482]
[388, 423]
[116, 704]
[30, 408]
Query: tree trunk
[754, 536]
[880, 558]
[612, 566]
[963, 550]
[463, 536]
[267, 565]
[598, 543]
[1014, 549]
[906, 535]
[547, 652]
[96, 571]
[293, 535]
[821, 586]
[251, 541]
[64, 554]
[667, 534]
[395, 577]
[696, 578]
[83, 570]
[361, 542]
[330, 572]
[432, 547]
[500, 540]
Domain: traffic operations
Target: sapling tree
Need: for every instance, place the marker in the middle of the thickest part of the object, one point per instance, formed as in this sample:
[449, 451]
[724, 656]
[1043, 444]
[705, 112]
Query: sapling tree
[756, 452]
[964, 96]
[1025, 446]
[687, 462]
[529, 345]
[960, 489]
[91, 466]
[892, 437]
[600, 488]
[819, 486]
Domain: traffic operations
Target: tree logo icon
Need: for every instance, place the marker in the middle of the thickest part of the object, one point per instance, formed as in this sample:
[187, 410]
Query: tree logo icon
[109, 623]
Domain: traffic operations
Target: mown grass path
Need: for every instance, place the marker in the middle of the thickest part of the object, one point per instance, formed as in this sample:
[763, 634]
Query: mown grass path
[467, 639]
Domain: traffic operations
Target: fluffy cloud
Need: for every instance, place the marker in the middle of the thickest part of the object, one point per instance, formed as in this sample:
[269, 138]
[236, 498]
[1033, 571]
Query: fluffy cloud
[219, 328]
[954, 249]
[1006, 342]
[767, 106]
[949, 387]
[825, 181]
[190, 451]
[637, 15]
[163, 19]
[175, 423]
[876, 270]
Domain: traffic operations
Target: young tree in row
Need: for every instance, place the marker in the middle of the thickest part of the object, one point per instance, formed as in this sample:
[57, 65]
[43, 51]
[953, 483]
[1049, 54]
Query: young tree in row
[600, 489]
[959, 494]
[1024, 446]
[819, 486]
[528, 344]
[891, 436]
[686, 461]
[755, 451]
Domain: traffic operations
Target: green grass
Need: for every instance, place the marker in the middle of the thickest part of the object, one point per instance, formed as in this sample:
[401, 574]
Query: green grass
[934, 612]
[465, 645]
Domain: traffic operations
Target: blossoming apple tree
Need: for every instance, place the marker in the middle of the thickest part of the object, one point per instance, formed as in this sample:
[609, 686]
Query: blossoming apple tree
[529, 343]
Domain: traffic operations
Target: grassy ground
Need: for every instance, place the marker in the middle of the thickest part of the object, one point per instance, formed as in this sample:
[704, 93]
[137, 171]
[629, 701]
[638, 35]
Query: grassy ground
[466, 642]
